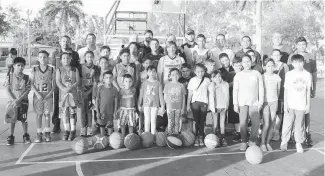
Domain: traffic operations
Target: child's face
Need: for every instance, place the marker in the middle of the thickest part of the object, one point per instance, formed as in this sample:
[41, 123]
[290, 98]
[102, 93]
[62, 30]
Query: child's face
[174, 75]
[245, 43]
[238, 67]
[225, 62]
[152, 73]
[171, 49]
[247, 63]
[133, 49]
[186, 73]
[209, 66]
[190, 37]
[201, 42]
[43, 59]
[108, 78]
[12, 56]
[66, 59]
[199, 72]
[217, 79]
[298, 65]
[105, 52]
[89, 58]
[301, 46]
[127, 82]
[154, 45]
[253, 57]
[276, 55]
[125, 57]
[19, 67]
[103, 64]
[146, 63]
[269, 67]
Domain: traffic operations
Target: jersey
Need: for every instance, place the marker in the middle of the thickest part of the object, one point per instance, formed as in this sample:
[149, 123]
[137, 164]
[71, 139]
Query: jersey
[120, 70]
[43, 80]
[166, 63]
[88, 76]
[68, 78]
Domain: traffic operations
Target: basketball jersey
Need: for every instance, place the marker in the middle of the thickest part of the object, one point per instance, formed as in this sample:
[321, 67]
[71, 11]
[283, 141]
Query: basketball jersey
[43, 80]
[168, 64]
[200, 57]
[18, 84]
[88, 74]
[68, 76]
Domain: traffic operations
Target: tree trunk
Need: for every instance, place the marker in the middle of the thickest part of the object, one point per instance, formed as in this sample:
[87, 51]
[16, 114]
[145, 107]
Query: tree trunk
[258, 16]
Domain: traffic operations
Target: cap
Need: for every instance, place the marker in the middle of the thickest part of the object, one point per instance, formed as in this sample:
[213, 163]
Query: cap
[190, 31]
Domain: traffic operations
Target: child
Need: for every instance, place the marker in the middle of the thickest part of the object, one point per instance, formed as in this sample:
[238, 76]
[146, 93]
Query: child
[9, 61]
[219, 103]
[105, 51]
[144, 74]
[174, 96]
[272, 83]
[297, 86]
[154, 55]
[67, 79]
[150, 99]
[124, 67]
[127, 114]
[255, 66]
[171, 60]
[88, 72]
[197, 101]
[106, 102]
[43, 84]
[209, 65]
[201, 53]
[134, 62]
[280, 69]
[248, 95]
[17, 87]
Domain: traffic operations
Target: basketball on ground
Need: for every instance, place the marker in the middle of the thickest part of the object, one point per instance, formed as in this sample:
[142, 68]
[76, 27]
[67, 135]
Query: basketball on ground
[132, 141]
[101, 142]
[79, 145]
[160, 139]
[211, 141]
[147, 139]
[116, 140]
[187, 138]
[173, 142]
[254, 154]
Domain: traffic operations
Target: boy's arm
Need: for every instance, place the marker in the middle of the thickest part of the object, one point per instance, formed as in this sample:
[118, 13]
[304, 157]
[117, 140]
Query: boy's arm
[115, 84]
[211, 97]
[140, 98]
[161, 97]
[285, 99]
[189, 99]
[314, 81]
[25, 94]
[278, 86]
[53, 85]
[32, 77]
[97, 101]
[308, 96]
[260, 90]
[116, 105]
[160, 70]
[58, 80]
[227, 95]
[77, 80]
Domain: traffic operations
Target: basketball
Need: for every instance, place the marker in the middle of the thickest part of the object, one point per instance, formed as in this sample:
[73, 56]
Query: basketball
[116, 140]
[173, 142]
[211, 141]
[254, 154]
[160, 139]
[101, 142]
[147, 139]
[187, 138]
[132, 141]
[79, 145]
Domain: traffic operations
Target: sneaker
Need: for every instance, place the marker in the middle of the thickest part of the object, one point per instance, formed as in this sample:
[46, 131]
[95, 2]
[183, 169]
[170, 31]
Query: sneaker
[196, 142]
[83, 131]
[48, 137]
[56, 128]
[66, 135]
[223, 142]
[243, 146]
[72, 135]
[284, 146]
[89, 131]
[237, 137]
[269, 148]
[38, 138]
[95, 129]
[10, 140]
[251, 143]
[276, 136]
[263, 147]
[299, 148]
[26, 138]
[308, 140]
[201, 141]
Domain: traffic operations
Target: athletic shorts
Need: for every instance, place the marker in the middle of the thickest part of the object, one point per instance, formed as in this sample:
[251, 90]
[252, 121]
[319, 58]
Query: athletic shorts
[105, 120]
[44, 106]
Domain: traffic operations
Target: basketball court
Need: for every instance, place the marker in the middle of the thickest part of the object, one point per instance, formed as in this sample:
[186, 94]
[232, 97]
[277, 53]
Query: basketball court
[57, 158]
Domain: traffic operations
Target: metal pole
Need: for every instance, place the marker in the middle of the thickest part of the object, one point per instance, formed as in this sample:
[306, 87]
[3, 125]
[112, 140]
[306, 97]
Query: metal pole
[29, 12]
[258, 25]
[105, 20]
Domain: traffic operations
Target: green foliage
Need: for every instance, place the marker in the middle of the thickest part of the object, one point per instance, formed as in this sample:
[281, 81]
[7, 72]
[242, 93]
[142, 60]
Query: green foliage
[4, 25]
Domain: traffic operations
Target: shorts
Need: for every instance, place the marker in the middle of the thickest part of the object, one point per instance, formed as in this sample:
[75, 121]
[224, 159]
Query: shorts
[43, 107]
[280, 107]
[105, 120]
[220, 110]
[270, 107]
[127, 116]
[65, 112]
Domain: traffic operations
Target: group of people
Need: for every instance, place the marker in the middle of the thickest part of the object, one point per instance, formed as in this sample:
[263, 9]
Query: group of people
[184, 83]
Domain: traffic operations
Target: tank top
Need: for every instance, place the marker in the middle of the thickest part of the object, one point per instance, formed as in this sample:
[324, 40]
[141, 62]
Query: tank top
[43, 80]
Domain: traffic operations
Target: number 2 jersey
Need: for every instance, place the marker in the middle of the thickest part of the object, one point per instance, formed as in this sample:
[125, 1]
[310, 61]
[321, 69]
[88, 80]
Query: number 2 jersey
[43, 80]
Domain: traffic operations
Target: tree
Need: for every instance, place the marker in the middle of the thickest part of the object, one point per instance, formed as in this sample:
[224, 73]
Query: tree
[4, 25]
[62, 12]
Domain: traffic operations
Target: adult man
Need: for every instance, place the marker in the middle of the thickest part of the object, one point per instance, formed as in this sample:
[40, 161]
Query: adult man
[221, 48]
[286, 50]
[91, 46]
[246, 44]
[189, 45]
[65, 46]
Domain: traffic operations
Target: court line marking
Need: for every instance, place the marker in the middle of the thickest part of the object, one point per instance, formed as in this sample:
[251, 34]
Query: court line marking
[25, 153]
[151, 158]
[316, 132]
[78, 169]
[320, 151]
[42, 143]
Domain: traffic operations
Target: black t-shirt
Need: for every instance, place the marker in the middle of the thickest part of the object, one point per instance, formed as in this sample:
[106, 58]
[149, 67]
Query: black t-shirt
[154, 58]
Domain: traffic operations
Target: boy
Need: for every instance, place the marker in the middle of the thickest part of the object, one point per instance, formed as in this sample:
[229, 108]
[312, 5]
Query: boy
[255, 66]
[105, 51]
[124, 67]
[209, 65]
[154, 55]
[297, 86]
[43, 84]
[18, 87]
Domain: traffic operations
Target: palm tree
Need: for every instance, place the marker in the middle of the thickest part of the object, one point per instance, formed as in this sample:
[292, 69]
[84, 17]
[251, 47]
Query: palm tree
[64, 11]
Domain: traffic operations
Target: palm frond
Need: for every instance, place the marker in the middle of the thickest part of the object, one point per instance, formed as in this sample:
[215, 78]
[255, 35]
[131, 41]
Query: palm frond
[75, 12]
[75, 3]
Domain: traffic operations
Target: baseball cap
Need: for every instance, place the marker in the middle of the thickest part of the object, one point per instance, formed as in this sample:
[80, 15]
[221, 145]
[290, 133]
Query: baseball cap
[190, 31]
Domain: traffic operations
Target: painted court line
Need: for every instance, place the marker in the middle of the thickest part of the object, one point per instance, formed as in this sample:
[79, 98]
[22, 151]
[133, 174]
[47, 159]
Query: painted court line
[25, 153]
[78, 169]
[151, 158]
[42, 143]
[320, 151]
[317, 132]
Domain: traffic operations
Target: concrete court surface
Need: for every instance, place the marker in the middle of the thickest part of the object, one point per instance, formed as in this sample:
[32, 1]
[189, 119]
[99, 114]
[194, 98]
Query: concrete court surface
[57, 159]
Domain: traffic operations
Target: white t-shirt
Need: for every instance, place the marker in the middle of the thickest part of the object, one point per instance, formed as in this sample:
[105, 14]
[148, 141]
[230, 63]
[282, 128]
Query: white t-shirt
[271, 83]
[297, 83]
[82, 52]
[200, 94]
[221, 95]
[165, 64]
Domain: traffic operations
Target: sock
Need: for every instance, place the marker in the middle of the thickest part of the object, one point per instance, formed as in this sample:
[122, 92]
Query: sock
[66, 126]
[73, 124]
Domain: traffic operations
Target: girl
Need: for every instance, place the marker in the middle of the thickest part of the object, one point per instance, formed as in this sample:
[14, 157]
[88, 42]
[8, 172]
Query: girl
[174, 96]
[248, 97]
[67, 79]
[201, 53]
[197, 101]
[272, 83]
[150, 99]
[144, 74]
[219, 103]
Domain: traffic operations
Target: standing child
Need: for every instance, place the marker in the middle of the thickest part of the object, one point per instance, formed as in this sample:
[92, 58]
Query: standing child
[297, 86]
[197, 101]
[174, 95]
[105, 51]
[43, 84]
[150, 99]
[209, 65]
[154, 54]
[201, 53]
[248, 96]
[106, 102]
[67, 79]
[272, 84]
[17, 87]
[144, 74]
[219, 103]
[255, 66]
[124, 67]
